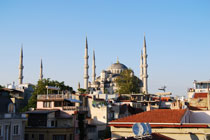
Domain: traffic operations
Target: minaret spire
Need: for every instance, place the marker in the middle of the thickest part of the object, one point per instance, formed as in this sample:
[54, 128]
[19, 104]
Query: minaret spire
[141, 66]
[141, 71]
[145, 75]
[78, 85]
[94, 68]
[86, 77]
[41, 71]
[21, 66]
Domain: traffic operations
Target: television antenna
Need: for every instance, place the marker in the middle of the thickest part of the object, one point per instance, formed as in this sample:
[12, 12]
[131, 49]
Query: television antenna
[163, 88]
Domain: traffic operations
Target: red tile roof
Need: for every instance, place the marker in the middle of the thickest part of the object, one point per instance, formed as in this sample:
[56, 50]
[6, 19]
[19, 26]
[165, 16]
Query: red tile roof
[156, 116]
[200, 95]
[165, 125]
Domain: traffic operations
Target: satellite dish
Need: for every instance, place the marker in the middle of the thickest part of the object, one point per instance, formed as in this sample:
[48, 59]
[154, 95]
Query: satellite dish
[138, 129]
[149, 129]
[141, 129]
[144, 128]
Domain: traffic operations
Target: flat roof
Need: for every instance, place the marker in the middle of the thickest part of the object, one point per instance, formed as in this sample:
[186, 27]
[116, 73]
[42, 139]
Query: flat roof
[42, 111]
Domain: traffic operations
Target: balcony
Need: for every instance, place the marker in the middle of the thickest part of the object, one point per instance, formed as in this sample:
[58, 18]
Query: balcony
[54, 97]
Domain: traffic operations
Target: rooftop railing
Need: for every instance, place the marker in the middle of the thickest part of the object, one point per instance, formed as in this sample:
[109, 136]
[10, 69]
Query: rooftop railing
[54, 96]
[75, 108]
[12, 116]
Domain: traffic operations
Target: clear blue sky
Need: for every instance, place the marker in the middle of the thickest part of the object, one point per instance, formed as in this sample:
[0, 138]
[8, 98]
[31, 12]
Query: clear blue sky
[177, 34]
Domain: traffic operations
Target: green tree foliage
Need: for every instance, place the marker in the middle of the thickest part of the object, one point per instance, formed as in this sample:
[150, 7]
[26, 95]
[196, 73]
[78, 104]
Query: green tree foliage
[40, 88]
[1, 86]
[127, 83]
[82, 90]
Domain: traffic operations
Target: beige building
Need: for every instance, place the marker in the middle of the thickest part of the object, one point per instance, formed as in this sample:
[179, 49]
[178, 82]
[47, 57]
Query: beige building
[175, 124]
[55, 118]
[48, 124]
[199, 96]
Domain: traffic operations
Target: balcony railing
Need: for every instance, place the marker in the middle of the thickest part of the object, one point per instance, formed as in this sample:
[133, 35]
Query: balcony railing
[54, 96]
[70, 108]
[75, 108]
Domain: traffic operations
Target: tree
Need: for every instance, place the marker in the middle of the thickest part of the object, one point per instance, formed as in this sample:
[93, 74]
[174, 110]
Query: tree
[82, 90]
[40, 88]
[1, 87]
[128, 83]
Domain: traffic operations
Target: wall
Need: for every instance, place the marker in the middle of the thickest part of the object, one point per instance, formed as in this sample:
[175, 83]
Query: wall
[200, 116]
[98, 114]
[11, 122]
[175, 133]
[39, 104]
[202, 102]
[48, 132]
[186, 117]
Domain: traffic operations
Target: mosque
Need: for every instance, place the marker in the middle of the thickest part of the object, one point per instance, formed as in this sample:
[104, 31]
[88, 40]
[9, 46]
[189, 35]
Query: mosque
[106, 81]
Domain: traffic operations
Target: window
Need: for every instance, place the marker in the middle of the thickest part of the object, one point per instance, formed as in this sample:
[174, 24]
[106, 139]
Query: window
[15, 130]
[26, 137]
[59, 137]
[77, 131]
[57, 103]
[46, 104]
[71, 137]
[91, 129]
[1, 130]
[41, 136]
[52, 123]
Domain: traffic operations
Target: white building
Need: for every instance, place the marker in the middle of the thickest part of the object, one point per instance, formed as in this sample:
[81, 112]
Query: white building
[12, 124]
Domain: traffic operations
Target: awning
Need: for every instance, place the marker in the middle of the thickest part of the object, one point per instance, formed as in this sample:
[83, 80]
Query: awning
[73, 100]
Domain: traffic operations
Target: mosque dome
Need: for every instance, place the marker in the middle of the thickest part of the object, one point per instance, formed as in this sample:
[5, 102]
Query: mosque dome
[117, 68]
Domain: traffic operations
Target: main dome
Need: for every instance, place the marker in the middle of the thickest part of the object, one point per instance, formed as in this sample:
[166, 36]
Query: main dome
[117, 68]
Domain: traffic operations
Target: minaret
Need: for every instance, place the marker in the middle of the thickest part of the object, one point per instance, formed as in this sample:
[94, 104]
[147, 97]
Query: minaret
[145, 76]
[94, 68]
[21, 66]
[86, 77]
[78, 85]
[141, 66]
[41, 71]
[141, 71]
